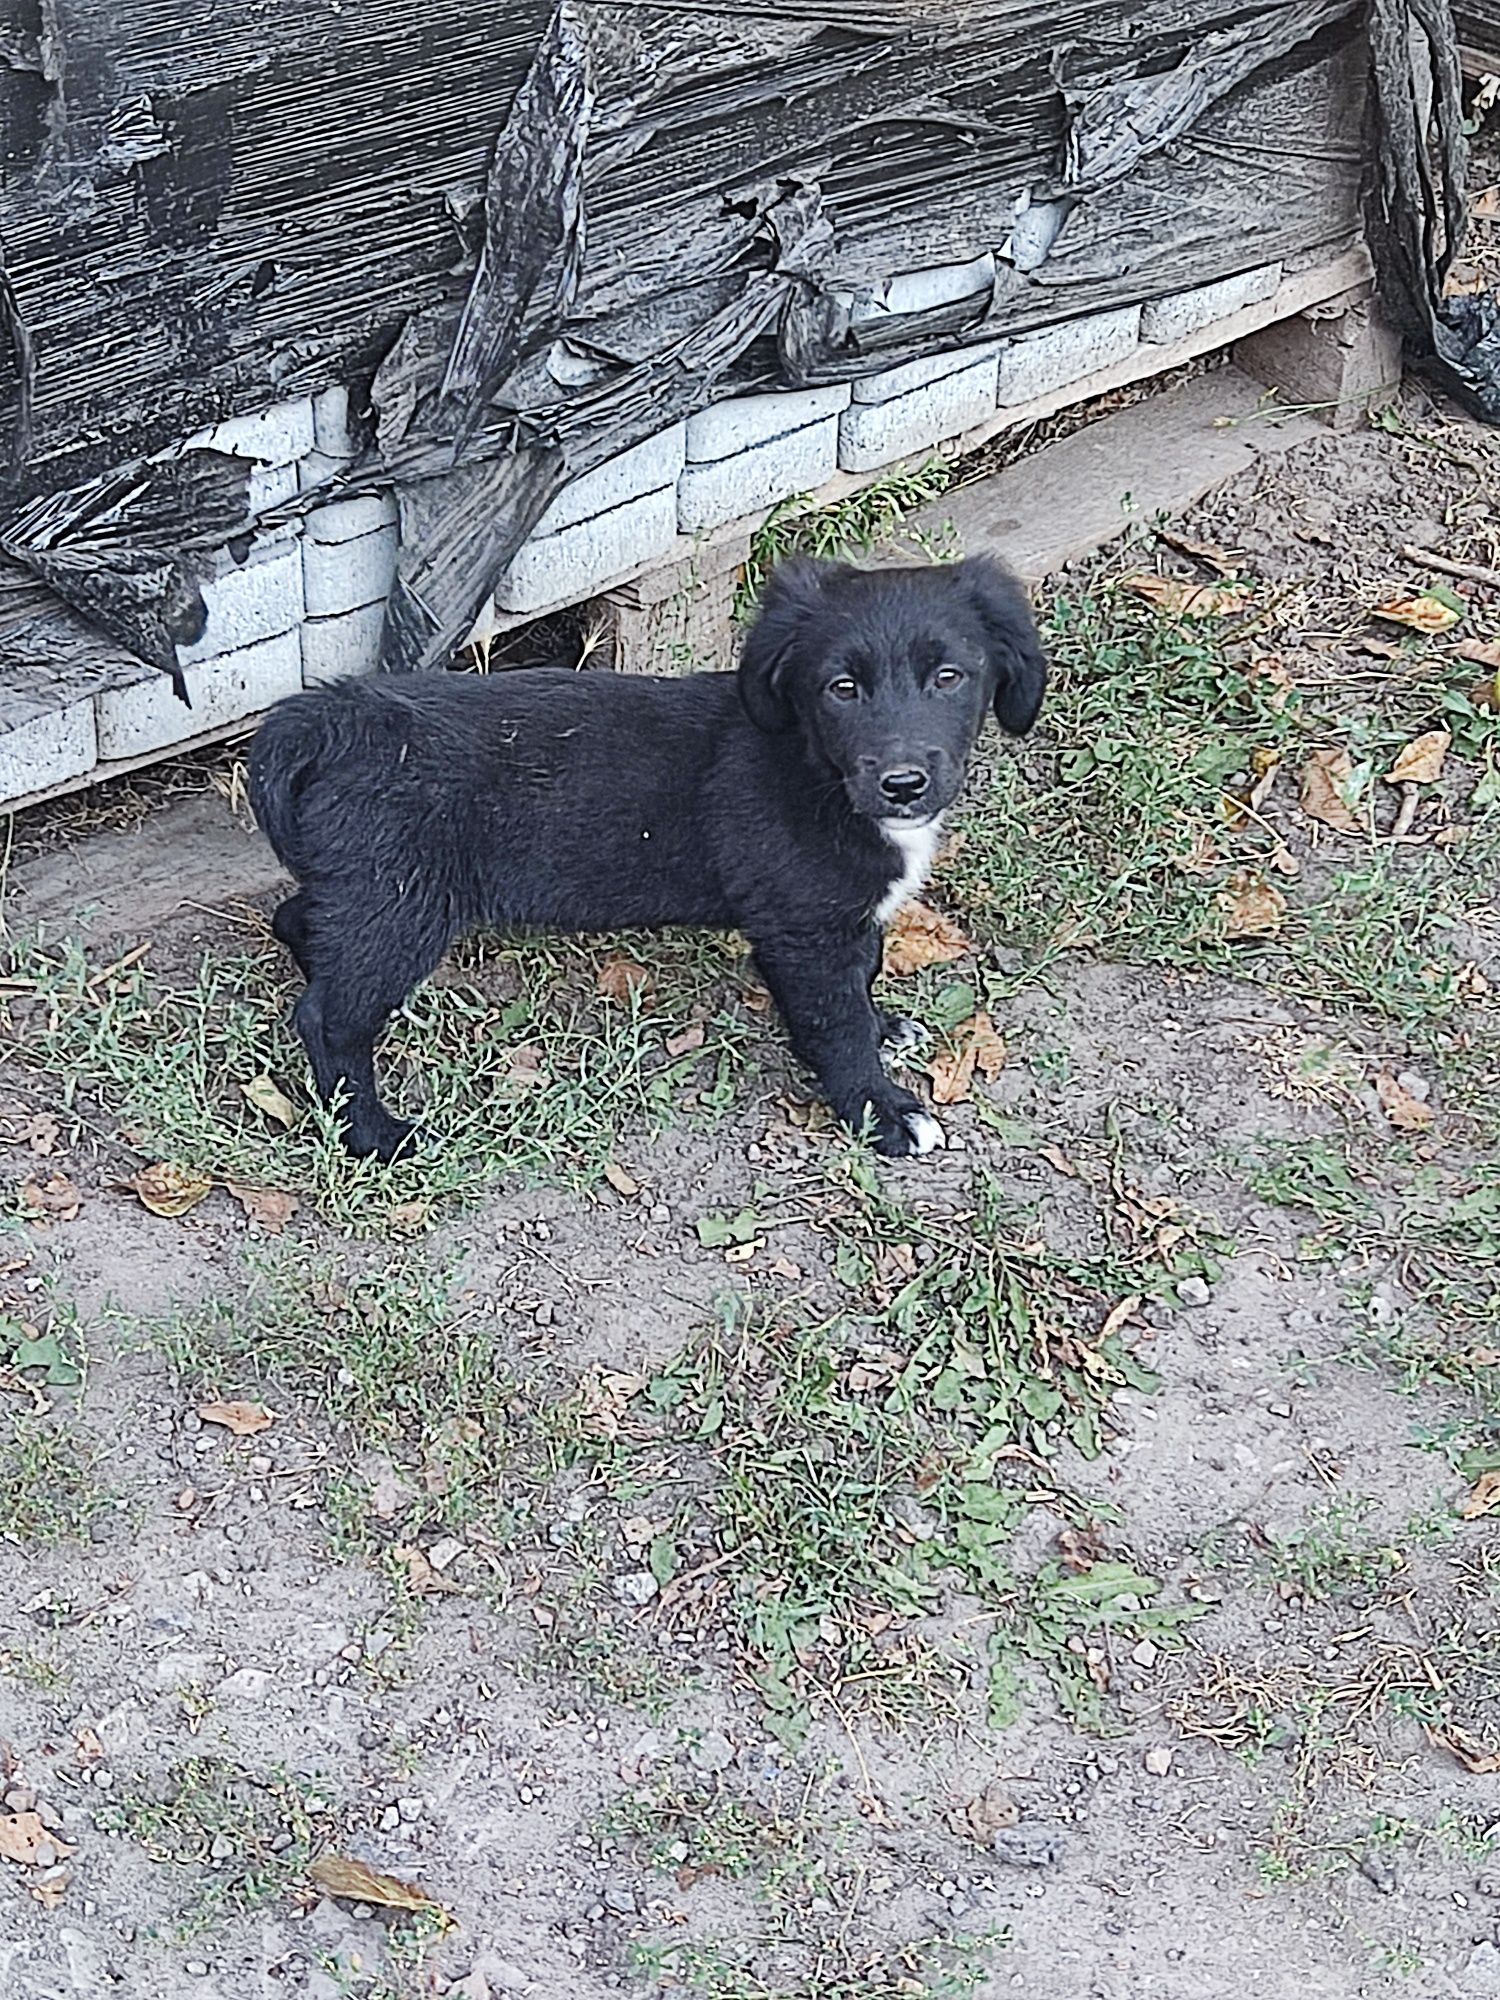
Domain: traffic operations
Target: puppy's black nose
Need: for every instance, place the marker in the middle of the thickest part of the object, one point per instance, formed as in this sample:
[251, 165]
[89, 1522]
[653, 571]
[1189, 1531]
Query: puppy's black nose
[903, 788]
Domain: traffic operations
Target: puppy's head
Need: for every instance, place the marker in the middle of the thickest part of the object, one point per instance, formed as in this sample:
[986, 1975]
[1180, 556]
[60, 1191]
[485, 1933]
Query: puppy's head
[887, 674]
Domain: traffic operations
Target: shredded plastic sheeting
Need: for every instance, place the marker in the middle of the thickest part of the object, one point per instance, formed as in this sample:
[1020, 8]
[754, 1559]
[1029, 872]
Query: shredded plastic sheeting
[538, 233]
[1422, 164]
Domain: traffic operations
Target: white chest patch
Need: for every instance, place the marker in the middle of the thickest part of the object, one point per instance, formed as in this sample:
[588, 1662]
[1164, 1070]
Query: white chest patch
[915, 846]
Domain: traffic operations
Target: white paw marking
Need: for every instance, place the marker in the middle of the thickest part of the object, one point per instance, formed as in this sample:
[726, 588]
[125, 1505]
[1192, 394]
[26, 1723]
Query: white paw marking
[906, 1035]
[915, 842]
[927, 1136]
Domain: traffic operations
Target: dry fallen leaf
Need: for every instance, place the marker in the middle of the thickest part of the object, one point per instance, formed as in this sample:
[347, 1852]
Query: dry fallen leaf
[41, 1134]
[1475, 1756]
[53, 1200]
[1421, 612]
[1192, 600]
[268, 1206]
[338, 1875]
[169, 1190]
[1421, 762]
[420, 1574]
[975, 1046]
[921, 936]
[22, 1834]
[1252, 908]
[620, 977]
[409, 1214]
[692, 1037]
[240, 1419]
[1485, 1498]
[623, 1183]
[524, 1068]
[1117, 1315]
[1406, 1113]
[263, 1094]
[1204, 552]
[986, 1814]
[1382, 649]
[1485, 206]
[1483, 652]
[1321, 796]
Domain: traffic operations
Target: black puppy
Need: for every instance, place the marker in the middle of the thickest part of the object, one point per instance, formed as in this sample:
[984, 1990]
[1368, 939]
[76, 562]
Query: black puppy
[798, 802]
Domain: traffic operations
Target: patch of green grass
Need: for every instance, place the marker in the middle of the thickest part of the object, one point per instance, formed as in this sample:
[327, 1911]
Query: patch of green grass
[867, 1462]
[390, 1350]
[848, 528]
[1120, 830]
[1330, 1554]
[49, 1488]
[234, 1840]
[798, 1855]
[517, 1064]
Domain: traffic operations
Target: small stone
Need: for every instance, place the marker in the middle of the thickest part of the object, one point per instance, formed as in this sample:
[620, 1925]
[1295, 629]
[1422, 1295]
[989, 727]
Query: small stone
[1194, 1292]
[661, 1213]
[1414, 1085]
[1375, 1868]
[1029, 1846]
[712, 1752]
[545, 1313]
[221, 1847]
[620, 1901]
[1279, 1409]
[390, 1819]
[247, 1684]
[1481, 1973]
[443, 1554]
[1144, 1653]
[195, 1968]
[379, 1642]
[1158, 1760]
[636, 1587]
[411, 1810]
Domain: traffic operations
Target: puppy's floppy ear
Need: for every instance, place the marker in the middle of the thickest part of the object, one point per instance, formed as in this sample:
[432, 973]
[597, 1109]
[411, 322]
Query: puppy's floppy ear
[792, 595]
[1011, 641]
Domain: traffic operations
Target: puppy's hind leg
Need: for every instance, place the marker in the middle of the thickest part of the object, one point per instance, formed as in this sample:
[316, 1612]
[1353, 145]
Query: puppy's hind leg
[359, 976]
[289, 927]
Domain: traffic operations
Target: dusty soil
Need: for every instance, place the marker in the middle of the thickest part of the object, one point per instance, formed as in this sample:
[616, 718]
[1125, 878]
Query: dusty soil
[613, 1565]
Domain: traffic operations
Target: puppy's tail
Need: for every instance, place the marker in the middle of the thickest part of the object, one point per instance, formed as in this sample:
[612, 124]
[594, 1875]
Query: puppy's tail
[289, 747]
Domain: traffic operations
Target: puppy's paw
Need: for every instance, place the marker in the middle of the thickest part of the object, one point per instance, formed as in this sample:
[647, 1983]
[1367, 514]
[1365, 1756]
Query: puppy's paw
[383, 1138]
[901, 1034]
[901, 1129]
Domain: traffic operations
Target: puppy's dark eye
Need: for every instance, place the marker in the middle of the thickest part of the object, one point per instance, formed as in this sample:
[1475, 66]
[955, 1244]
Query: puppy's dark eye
[845, 688]
[947, 677]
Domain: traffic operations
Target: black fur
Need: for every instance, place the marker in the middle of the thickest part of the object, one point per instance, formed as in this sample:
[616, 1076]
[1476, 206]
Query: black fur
[412, 810]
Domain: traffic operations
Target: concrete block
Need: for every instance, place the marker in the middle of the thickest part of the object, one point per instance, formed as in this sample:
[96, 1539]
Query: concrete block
[275, 436]
[561, 568]
[1163, 320]
[50, 748]
[318, 468]
[919, 374]
[747, 421]
[872, 434]
[347, 520]
[147, 716]
[256, 601]
[726, 489]
[342, 576]
[1036, 364]
[335, 648]
[645, 468]
[1338, 359]
[333, 430]
[925, 291]
[270, 485]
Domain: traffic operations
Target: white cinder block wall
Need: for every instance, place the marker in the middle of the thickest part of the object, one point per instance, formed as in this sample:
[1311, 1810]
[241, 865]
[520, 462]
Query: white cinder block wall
[306, 606]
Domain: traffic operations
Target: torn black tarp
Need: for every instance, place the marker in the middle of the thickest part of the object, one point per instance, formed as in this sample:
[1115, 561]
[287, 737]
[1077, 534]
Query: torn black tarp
[538, 233]
[1422, 171]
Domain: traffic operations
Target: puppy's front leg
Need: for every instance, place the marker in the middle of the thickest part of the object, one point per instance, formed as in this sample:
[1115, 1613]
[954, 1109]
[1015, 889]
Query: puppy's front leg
[822, 987]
